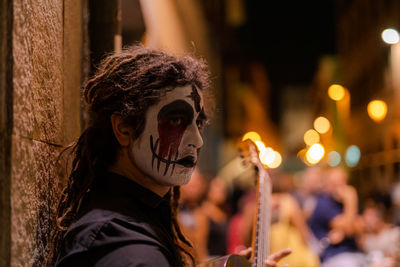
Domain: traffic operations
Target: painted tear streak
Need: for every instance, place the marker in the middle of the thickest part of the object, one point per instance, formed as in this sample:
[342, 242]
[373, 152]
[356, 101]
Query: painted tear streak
[173, 120]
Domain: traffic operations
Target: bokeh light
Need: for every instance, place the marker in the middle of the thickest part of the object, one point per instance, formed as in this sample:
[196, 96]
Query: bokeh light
[377, 110]
[353, 155]
[390, 36]
[334, 158]
[253, 136]
[311, 137]
[315, 153]
[302, 153]
[322, 125]
[277, 160]
[267, 156]
[261, 146]
[336, 92]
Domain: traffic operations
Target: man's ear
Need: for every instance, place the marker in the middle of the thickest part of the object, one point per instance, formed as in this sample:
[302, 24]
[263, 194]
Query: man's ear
[122, 132]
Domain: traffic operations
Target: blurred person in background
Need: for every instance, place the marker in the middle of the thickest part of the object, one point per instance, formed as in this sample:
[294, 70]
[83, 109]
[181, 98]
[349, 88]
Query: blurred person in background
[239, 234]
[380, 240]
[193, 222]
[395, 201]
[308, 189]
[335, 221]
[216, 210]
[288, 225]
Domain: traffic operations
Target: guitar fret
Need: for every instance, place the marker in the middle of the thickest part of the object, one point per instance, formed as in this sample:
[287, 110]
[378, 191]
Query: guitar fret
[262, 219]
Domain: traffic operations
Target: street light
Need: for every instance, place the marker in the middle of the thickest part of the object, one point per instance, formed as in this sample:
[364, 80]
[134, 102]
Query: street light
[315, 153]
[377, 110]
[334, 158]
[311, 137]
[267, 156]
[322, 125]
[253, 136]
[336, 92]
[390, 36]
[277, 160]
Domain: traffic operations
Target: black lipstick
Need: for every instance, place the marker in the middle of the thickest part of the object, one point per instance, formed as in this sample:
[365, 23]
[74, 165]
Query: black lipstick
[188, 162]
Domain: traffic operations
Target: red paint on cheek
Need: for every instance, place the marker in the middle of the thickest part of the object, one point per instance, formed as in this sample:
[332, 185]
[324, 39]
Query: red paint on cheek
[170, 138]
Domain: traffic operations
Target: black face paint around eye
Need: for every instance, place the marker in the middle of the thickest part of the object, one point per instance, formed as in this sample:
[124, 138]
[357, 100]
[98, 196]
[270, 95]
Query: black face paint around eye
[173, 120]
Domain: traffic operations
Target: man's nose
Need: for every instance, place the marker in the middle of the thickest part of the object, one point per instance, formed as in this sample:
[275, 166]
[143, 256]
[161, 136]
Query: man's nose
[193, 136]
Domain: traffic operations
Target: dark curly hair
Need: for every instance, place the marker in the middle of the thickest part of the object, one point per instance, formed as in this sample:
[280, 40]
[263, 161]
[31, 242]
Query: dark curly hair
[127, 83]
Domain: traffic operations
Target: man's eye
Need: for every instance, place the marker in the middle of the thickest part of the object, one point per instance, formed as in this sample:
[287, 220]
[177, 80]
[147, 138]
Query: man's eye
[200, 124]
[175, 121]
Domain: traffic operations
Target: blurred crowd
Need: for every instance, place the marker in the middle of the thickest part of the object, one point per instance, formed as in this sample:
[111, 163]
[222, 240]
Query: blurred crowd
[316, 212]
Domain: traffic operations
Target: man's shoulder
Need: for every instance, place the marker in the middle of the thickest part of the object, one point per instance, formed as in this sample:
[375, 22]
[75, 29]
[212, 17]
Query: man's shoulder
[100, 226]
[101, 232]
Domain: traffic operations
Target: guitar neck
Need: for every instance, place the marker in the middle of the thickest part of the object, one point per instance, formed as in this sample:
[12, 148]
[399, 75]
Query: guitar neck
[261, 234]
[262, 219]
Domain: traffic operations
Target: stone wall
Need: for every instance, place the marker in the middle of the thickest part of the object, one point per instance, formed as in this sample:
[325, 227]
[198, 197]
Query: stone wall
[5, 127]
[47, 67]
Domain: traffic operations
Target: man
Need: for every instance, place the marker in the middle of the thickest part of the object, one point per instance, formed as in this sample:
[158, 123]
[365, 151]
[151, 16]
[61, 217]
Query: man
[335, 221]
[146, 112]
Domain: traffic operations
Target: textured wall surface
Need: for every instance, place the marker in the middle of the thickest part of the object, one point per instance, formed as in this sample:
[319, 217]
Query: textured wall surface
[46, 79]
[5, 127]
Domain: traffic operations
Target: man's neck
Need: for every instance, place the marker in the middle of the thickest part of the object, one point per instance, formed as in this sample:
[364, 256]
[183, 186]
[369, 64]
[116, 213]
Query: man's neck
[123, 166]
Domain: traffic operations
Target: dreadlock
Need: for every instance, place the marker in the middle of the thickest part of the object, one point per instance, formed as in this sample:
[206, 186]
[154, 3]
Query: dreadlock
[180, 240]
[127, 83]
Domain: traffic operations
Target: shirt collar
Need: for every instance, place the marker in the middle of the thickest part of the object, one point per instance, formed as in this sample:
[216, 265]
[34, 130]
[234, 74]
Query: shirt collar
[121, 185]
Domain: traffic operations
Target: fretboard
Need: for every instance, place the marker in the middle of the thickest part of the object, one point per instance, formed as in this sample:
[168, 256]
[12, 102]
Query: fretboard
[263, 218]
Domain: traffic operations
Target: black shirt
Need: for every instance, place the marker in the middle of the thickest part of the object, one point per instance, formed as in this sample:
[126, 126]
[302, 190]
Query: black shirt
[121, 224]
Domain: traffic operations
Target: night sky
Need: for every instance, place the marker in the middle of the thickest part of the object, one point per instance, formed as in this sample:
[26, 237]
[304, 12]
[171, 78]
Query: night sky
[290, 36]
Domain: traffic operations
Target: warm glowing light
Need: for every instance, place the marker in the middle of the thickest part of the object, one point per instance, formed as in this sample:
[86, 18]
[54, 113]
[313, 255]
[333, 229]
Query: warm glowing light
[267, 156]
[309, 160]
[334, 158]
[390, 36]
[336, 92]
[377, 110]
[322, 125]
[311, 137]
[277, 160]
[260, 145]
[353, 155]
[253, 136]
[302, 153]
[315, 153]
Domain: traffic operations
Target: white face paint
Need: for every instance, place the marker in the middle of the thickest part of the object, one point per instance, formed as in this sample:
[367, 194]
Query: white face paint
[168, 148]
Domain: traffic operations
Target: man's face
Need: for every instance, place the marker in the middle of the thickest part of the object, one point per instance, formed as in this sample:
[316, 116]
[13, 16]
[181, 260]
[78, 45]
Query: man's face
[168, 149]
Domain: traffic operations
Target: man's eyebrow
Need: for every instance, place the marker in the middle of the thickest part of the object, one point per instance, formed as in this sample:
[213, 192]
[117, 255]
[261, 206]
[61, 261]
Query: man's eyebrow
[202, 115]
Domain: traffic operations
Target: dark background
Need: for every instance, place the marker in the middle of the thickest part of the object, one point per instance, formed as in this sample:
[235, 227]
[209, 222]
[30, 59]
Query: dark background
[288, 37]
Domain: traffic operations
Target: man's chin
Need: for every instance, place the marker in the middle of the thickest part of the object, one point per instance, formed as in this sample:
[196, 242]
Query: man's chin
[180, 177]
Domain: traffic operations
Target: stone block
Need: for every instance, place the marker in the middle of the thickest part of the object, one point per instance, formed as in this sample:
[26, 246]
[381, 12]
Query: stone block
[47, 56]
[73, 45]
[35, 187]
[38, 69]
[22, 69]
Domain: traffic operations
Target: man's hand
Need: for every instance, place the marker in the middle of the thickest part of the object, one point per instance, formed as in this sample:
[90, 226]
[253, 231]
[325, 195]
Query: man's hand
[272, 260]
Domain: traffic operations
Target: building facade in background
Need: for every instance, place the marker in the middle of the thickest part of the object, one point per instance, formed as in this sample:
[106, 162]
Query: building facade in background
[364, 66]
